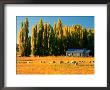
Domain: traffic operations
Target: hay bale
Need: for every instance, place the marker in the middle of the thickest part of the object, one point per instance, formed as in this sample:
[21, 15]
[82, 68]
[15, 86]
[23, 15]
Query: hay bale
[68, 62]
[72, 62]
[41, 62]
[61, 62]
[54, 62]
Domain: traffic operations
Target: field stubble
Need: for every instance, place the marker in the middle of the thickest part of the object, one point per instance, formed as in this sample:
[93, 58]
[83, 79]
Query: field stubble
[55, 65]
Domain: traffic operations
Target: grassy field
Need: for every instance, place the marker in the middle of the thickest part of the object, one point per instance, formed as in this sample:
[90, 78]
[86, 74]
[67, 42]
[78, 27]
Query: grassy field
[55, 65]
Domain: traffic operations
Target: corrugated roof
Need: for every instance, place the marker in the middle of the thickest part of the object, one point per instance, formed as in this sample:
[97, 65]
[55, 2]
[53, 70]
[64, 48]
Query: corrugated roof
[78, 50]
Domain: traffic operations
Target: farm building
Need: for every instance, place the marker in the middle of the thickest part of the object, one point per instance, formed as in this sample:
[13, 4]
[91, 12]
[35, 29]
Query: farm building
[77, 52]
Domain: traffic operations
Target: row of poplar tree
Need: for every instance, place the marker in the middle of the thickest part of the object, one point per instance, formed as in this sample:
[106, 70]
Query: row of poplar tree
[47, 40]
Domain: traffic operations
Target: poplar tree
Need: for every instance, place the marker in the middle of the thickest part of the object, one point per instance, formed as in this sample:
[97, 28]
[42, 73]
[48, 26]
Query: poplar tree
[25, 27]
[33, 40]
[60, 41]
[45, 40]
[56, 40]
[55, 48]
[21, 40]
[29, 46]
[40, 38]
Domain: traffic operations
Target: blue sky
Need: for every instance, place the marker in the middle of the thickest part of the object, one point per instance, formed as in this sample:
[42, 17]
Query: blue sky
[85, 21]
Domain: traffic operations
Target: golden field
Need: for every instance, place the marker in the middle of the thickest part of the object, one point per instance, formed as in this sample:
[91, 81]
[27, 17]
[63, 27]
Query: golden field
[55, 65]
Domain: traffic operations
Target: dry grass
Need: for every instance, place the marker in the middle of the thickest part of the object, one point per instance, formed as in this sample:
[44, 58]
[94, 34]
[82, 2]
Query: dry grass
[53, 65]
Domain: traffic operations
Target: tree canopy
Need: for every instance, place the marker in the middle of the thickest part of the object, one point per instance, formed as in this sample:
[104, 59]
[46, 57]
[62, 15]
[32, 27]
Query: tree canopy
[47, 40]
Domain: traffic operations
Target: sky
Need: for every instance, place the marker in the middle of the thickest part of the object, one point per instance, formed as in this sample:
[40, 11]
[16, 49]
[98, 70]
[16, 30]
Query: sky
[84, 21]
